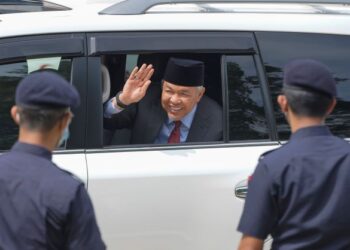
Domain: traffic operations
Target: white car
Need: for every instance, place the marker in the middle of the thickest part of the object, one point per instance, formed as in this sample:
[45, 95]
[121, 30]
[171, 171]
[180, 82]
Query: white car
[187, 196]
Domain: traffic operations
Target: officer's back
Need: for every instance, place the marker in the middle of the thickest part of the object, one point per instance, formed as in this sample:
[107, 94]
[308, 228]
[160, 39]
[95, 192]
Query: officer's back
[299, 192]
[311, 174]
[42, 206]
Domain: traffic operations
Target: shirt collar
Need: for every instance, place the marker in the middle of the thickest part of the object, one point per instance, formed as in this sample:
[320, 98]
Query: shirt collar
[32, 149]
[187, 119]
[320, 130]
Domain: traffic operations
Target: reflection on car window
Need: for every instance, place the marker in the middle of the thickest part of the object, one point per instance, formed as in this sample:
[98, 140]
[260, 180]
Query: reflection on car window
[279, 48]
[246, 108]
[131, 63]
[10, 75]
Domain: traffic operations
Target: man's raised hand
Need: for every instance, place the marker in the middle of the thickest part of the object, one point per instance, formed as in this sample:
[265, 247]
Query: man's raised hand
[136, 86]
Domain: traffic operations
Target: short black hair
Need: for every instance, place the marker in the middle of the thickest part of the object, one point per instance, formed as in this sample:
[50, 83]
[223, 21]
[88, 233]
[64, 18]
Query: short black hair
[307, 102]
[41, 119]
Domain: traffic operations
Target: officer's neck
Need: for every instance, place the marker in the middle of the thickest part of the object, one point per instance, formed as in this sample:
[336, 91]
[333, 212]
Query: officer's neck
[46, 140]
[297, 122]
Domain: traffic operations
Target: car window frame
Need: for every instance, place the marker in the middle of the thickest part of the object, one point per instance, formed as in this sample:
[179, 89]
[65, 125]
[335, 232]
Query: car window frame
[96, 42]
[265, 95]
[263, 37]
[71, 45]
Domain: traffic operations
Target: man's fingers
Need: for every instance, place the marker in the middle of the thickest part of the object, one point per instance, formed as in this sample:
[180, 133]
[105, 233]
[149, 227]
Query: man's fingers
[149, 74]
[145, 86]
[144, 71]
[139, 74]
[133, 73]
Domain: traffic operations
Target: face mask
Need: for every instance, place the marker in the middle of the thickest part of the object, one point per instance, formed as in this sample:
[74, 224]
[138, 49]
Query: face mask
[64, 136]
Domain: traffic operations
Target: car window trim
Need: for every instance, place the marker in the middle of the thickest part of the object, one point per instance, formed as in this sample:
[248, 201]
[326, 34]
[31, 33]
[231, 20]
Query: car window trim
[225, 99]
[64, 45]
[266, 95]
[97, 41]
[184, 146]
[20, 48]
[78, 125]
[199, 41]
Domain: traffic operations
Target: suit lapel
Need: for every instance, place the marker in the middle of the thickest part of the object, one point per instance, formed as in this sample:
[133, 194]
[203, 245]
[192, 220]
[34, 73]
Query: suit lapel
[199, 126]
[157, 116]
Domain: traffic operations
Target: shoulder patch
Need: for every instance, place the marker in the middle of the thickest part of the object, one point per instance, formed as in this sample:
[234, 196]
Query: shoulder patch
[76, 177]
[70, 174]
[266, 153]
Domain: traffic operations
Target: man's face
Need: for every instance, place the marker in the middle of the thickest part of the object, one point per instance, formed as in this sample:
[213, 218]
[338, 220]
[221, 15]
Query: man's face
[178, 101]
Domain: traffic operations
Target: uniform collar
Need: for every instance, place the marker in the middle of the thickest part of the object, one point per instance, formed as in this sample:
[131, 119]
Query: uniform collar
[311, 131]
[32, 149]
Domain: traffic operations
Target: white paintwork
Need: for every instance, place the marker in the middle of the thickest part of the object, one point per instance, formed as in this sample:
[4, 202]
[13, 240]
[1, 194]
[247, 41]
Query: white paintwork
[170, 199]
[78, 4]
[72, 162]
[166, 199]
[85, 19]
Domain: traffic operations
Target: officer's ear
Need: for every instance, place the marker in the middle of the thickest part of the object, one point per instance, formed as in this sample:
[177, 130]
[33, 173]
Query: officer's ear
[15, 114]
[283, 103]
[65, 120]
[331, 106]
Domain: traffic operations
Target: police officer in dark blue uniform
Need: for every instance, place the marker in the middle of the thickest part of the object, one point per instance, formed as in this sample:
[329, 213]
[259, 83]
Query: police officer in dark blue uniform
[43, 206]
[299, 193]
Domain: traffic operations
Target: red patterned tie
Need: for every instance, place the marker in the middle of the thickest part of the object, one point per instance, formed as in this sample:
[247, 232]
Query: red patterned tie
[175, 134]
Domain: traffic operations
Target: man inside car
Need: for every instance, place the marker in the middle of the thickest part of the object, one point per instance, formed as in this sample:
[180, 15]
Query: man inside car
[175, 112]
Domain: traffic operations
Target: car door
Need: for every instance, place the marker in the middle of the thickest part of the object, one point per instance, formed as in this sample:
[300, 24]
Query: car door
[22, 55]
[187, 196]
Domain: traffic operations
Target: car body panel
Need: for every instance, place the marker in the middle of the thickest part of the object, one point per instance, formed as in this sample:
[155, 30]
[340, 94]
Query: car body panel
[73, 162]
[157, 197]
[90, 21]
[179, 198]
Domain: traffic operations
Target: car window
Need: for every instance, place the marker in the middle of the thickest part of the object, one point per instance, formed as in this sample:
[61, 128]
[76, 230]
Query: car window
[120, 66]
[277, 49]
[10, 75]
[246, 116]
[131, 63]
[246, 108]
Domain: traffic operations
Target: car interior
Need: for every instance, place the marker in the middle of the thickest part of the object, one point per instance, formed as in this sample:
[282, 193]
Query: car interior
[115, 71]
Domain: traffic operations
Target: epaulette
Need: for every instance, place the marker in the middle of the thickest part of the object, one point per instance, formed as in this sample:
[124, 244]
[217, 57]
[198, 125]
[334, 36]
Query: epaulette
[266, 153]
[71, 174]
[77, 178]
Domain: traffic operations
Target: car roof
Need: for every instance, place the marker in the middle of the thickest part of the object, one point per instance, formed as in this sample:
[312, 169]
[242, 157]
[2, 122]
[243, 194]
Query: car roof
[87, 19]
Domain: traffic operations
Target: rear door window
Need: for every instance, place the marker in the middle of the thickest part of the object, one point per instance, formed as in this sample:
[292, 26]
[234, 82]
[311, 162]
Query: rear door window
[10, 75]
[247, 119]
[20, 56]
[277, 49]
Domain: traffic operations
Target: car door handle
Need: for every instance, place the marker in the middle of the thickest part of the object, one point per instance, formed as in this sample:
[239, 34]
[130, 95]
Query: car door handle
[241, 189]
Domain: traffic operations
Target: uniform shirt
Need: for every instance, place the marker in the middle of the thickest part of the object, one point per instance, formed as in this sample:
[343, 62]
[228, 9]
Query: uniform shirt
[299, 193]
[43, 206]
[167, 127]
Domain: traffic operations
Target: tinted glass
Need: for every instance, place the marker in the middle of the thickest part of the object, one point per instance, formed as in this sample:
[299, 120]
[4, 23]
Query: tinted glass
[246, 106]
[278, 49]
[10, 75]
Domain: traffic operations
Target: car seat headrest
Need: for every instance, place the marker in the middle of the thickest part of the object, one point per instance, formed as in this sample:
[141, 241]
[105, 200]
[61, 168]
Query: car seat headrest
[105, 83]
